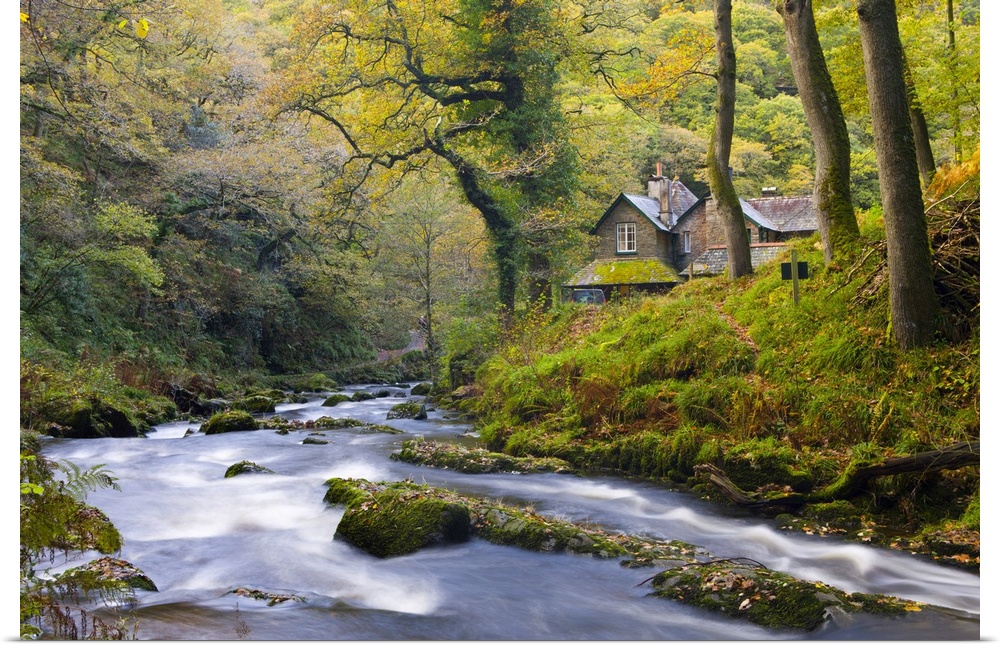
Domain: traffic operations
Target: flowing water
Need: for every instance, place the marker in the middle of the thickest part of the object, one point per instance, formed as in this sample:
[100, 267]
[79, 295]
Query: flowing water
[199, 535]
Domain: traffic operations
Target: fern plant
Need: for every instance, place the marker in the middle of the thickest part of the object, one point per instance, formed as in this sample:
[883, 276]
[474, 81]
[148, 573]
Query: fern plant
[56, 519]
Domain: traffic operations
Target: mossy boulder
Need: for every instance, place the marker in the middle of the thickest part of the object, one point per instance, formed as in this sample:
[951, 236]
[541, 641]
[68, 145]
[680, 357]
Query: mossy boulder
[512, 527]
[314, 383]
[89, 417]
[326, 422]
[315, 440]
[256, 404]
[421, 389]
[361, 396]
[228, 421]
[397, 519]
[108, 570]
[414, 410]
[765, 597]
[474, 460]
[387, 519]
[246, 467]
[382, 393]
[336, 399]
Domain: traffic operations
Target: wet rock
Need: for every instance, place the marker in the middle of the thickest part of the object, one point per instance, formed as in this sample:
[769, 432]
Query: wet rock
[396, 519]
[246, 467]
[271, 598]
[421, 389]
[228, 421]
[313, 440]
[256, 404]
[414, 410]
[335, 399]
[361, 396]
[471, 460]
[765, 597]
[90, 417]
[112, 569]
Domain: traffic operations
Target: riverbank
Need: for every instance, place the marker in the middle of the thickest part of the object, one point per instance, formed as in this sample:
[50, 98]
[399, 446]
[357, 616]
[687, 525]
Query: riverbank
[808, 411]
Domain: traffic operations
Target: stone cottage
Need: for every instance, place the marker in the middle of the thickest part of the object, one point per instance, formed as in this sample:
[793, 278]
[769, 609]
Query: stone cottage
[652, 242]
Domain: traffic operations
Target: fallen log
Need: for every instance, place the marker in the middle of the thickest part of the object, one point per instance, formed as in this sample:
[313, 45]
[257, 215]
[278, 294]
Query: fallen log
[935, 460]
[852, 481]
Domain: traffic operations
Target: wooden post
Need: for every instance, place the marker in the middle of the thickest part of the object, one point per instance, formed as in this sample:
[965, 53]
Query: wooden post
[795, 278]
[690, 270]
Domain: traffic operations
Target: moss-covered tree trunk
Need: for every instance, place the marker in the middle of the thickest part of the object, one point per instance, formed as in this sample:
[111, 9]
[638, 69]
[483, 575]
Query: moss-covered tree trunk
[918, 122]
[838, 226]
[912, 301]
[726, 201]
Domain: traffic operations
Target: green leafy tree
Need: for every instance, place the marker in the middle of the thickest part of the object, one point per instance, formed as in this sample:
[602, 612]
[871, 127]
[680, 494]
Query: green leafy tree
[469, 82]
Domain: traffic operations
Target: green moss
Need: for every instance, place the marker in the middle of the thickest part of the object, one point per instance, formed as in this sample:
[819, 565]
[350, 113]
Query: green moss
[246, 467]
[387, 520]
[764, 597]
[421, 389]
[632, 271]
[335, 399]
[361, 396]
[414, 410]
[314, 383]
[109, 570]
[227, 421]
[256, 404]
[473, 460]
[326, 422]
[759, 462]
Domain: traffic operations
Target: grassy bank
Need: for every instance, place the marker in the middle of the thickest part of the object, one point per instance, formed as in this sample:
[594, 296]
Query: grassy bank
[783, 398]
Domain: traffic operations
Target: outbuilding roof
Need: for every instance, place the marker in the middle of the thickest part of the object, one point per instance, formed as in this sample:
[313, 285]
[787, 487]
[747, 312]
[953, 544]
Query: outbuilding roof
[787, 213]
[627, 271]
[715, 259]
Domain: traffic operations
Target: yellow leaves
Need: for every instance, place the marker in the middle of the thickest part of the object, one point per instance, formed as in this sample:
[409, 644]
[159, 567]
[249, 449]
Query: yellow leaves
[24, 17]
[913, 606]
[140, 28]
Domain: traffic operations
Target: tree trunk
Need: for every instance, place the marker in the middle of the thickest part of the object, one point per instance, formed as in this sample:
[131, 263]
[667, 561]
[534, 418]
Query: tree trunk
[727, 203]
[921, 138]
[838, 226]
[956, 118]
[499, 226]
[912, 301]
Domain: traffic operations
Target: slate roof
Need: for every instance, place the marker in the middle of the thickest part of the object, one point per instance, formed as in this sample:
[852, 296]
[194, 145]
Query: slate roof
[681, 202]
[787, 213]
[628, 271]
[715, 258]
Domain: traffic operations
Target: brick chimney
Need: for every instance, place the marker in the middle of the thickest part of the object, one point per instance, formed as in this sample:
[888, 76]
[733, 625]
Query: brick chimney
[660, 189]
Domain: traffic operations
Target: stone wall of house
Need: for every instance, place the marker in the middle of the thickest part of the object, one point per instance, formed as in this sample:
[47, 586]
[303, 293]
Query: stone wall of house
[706, 230]
[695, 223]
[650, 242]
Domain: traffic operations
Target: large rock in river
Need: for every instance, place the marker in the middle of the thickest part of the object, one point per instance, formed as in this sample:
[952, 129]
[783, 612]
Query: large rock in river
[90, 418]
[398, 519]
[228, 421]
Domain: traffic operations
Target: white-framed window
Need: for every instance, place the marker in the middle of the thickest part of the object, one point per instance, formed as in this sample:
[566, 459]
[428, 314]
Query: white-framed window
[626, 237]
[687, 242]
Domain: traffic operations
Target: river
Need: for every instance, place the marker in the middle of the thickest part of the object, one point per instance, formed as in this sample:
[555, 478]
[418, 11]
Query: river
[199, 535]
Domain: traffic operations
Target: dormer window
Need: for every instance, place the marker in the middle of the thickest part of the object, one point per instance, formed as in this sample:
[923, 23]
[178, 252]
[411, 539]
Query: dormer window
[626, 237]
